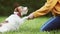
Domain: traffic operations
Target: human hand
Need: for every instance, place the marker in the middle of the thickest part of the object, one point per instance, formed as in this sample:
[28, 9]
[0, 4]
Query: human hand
[31, 16]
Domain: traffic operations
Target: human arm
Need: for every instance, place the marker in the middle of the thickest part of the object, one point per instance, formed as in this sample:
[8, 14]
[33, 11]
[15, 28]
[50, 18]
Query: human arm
[44, 9]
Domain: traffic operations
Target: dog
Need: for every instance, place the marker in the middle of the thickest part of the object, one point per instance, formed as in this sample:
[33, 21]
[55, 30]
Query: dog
[14, 21]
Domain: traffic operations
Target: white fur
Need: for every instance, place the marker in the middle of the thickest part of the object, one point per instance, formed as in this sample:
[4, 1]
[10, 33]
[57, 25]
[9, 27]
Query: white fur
[14, 21]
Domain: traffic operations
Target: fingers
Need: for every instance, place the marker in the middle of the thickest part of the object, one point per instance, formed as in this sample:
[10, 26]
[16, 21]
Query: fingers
[30, 16]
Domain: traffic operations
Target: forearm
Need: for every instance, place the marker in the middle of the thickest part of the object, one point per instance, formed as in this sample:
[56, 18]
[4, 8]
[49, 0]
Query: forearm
[45, 9]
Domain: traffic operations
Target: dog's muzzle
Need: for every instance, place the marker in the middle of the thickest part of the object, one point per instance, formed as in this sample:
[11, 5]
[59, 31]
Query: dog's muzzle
[24, 10]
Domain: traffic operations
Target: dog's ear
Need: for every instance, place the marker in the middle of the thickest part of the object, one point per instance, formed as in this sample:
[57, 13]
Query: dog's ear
[19, 11]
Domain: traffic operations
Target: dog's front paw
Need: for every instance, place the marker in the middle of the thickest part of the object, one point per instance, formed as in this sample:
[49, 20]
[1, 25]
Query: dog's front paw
[26, 17]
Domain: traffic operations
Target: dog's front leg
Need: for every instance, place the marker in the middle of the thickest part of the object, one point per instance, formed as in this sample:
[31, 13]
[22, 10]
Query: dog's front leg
[24, 18]
[21, 21]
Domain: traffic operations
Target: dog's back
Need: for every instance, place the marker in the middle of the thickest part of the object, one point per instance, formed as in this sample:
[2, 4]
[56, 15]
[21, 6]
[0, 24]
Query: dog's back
[13, 22]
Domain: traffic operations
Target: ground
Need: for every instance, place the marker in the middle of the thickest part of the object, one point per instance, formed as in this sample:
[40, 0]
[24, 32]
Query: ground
[30, 26]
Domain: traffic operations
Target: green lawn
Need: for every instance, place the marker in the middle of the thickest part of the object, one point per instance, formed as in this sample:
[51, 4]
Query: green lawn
[30, 26]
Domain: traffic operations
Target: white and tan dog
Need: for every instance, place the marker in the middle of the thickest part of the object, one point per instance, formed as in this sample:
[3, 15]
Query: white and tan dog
[14, 21]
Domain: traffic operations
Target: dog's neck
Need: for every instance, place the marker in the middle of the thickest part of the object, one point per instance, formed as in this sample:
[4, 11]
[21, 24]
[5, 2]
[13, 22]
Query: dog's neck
[17, 13]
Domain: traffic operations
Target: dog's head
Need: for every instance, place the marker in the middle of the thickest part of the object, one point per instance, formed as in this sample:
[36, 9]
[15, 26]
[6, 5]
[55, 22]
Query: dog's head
[21, 10]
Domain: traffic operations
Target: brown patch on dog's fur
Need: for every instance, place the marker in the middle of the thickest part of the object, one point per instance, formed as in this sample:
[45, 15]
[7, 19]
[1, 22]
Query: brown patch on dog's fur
[0, 25]
[6, 22]
[3, 23]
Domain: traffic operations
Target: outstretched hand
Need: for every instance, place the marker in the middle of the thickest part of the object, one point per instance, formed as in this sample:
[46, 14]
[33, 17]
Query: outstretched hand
[30, 16]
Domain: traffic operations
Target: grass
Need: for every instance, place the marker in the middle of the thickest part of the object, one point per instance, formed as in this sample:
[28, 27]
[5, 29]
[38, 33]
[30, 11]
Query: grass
[30, 26]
